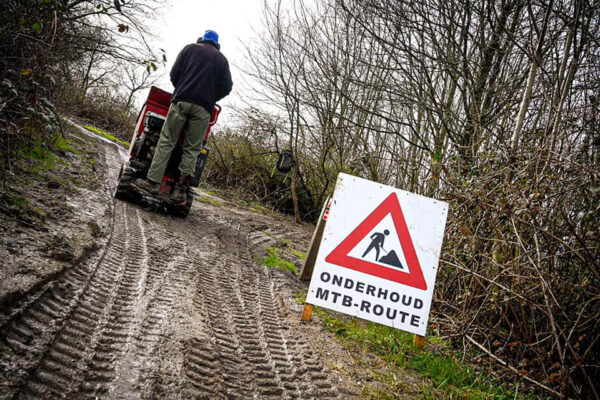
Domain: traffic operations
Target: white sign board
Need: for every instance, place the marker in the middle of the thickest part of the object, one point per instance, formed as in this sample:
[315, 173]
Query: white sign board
[379, 254]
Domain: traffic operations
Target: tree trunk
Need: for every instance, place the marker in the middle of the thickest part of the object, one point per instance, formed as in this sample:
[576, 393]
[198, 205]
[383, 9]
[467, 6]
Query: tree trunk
[295, 195]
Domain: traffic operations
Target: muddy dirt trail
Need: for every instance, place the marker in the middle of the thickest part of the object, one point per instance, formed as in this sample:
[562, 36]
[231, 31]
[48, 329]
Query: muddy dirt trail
[167, 308]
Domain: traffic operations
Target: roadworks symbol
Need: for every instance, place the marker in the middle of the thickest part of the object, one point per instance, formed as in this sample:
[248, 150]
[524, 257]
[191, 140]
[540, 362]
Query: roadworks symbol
[381, 246]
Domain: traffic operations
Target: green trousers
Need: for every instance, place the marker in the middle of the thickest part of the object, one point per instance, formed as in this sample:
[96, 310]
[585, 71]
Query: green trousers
[194, 120]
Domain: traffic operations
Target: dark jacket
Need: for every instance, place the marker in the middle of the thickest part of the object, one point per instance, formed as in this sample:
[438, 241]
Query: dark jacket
[201, 75]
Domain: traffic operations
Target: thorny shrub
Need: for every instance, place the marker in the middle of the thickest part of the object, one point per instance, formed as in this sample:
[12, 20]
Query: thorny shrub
[519, 277]
[520, 268]
[44, 45]
[247, 165]
[103, 109]
[26, 75]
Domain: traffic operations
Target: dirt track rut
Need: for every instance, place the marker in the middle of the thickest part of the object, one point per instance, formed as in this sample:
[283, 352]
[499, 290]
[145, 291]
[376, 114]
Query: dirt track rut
[169, 308]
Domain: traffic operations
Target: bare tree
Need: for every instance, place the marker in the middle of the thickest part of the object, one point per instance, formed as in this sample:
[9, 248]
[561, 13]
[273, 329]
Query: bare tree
[137, 79]
[489, 105]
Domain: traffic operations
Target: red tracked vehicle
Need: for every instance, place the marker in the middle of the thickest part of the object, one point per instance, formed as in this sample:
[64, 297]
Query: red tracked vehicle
[143, 143]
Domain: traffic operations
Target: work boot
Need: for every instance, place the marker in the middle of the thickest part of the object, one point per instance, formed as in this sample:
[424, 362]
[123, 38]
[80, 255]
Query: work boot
[164, 194]
[179, 195]
[147, 186]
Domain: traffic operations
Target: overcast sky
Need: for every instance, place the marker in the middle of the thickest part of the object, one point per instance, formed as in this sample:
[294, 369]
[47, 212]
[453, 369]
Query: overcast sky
[183, 21]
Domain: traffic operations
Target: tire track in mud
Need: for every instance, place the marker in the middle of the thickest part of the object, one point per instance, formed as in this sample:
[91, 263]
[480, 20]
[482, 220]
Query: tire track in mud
[226, 376]
[64, 341]
[41, 315]
[250, 338]
[94, 330]
[165, 283]
[104, 328]
[118, 319]
[75, 348]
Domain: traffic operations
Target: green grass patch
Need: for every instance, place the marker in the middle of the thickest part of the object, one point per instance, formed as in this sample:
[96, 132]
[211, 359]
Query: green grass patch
[274, 260]
[38, 156]
[210, 200]
[439, 362]
[260, 208]
[64, 144]
[288, 247]
[298, 254]
[300, 297]
[106, 135]
[210, 192]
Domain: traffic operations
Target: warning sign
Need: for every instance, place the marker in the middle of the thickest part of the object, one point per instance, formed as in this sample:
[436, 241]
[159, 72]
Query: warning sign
[386, 221]
[379, 255]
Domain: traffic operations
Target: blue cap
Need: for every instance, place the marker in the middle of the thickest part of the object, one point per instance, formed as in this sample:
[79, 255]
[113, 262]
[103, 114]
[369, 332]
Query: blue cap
[212, 36]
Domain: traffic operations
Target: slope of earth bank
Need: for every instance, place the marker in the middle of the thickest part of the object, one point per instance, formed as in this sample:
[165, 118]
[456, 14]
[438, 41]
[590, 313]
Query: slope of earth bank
[54, 212]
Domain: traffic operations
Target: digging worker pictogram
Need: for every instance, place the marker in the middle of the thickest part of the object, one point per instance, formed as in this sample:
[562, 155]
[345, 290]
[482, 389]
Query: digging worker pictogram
[377, 240]
[201, 77]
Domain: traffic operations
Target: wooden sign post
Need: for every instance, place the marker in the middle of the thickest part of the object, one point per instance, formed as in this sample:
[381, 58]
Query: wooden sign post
[419, 342]
[315, 242]
[311, 257]
[307, 312]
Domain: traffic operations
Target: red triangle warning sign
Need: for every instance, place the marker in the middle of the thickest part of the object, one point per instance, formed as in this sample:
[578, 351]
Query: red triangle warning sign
[340, 255]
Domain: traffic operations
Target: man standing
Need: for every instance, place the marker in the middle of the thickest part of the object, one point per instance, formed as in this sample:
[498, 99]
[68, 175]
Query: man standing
[201, 77]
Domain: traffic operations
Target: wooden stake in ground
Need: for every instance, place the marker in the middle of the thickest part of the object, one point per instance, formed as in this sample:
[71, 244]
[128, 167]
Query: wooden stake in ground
[419, 342]
[315, 243]
[307, 312]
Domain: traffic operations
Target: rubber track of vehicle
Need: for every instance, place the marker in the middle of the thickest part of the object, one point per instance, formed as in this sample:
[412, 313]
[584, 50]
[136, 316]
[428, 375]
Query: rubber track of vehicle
[75, 346]
[245, 319]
